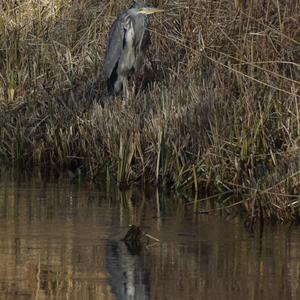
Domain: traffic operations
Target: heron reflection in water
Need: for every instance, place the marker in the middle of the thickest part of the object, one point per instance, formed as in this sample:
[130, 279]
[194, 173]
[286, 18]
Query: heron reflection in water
[128, 278]
[128, 40]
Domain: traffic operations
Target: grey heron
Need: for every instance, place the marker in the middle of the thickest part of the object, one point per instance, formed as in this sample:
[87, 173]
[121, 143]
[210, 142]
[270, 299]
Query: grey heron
[128, 40]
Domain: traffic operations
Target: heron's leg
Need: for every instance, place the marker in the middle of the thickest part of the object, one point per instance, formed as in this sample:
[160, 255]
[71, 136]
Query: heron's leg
[118, 84]
[133, 89]
[125, 89]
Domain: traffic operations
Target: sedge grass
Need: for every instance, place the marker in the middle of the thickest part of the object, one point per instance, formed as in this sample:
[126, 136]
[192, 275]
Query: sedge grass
[219, 110]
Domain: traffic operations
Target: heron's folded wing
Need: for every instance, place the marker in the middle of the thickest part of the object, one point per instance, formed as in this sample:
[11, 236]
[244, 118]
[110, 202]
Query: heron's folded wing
[115, 46]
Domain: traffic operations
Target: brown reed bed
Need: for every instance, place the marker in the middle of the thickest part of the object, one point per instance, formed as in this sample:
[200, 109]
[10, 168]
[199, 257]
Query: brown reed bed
[217, 112]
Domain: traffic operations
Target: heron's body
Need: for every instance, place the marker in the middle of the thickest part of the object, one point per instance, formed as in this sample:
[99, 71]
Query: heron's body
[128, 41]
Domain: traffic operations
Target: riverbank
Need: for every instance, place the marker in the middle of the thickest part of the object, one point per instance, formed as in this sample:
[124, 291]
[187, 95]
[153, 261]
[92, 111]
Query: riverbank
[220, 112]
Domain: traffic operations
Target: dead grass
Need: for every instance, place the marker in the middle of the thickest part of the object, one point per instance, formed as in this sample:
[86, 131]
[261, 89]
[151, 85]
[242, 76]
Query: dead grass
[220, 111]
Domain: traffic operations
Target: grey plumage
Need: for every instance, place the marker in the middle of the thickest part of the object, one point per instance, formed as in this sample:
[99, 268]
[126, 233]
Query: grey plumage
[128, 41]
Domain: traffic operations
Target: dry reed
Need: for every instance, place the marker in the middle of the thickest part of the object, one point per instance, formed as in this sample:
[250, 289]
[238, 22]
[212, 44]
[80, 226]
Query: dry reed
[217, 111]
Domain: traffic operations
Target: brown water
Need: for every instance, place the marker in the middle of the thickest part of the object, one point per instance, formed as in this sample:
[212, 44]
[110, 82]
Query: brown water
[62, 241]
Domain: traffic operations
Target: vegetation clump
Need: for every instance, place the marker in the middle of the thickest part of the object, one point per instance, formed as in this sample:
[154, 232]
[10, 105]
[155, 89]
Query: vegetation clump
[217, 111]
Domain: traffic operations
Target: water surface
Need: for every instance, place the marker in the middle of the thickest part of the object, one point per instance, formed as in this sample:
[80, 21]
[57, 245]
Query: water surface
[62, 241]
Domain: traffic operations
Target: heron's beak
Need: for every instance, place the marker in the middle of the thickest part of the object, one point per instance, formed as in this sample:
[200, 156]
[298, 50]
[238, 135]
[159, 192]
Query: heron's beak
[150, 10]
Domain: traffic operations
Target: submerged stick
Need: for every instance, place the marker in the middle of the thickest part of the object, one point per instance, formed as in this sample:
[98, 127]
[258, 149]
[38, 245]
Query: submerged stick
[151, 237]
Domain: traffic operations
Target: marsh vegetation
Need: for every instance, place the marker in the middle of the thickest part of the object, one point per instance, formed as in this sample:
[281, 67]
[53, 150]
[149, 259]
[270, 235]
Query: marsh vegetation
[218, 112]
